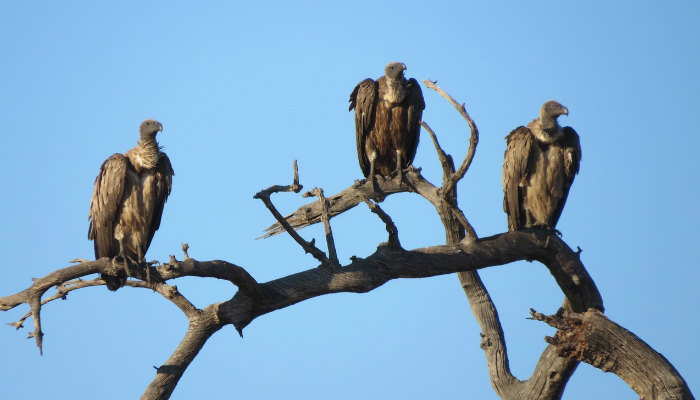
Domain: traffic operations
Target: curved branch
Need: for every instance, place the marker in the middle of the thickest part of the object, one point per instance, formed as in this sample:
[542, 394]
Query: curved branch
[365, 274]
[64, 276]
[593, 338]
[473, 139]
[448, 165]
[391, 228]
[169, 292]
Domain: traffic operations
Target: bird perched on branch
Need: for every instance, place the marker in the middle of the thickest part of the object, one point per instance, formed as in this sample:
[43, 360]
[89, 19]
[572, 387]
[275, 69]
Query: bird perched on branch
[387, 121]
[539, 166]
[127, 202]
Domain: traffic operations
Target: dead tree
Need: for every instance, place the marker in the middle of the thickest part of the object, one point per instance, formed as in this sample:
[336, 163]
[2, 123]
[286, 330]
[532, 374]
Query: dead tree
[584, 334]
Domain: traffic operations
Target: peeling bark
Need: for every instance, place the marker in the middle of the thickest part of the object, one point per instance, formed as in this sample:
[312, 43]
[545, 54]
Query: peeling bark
[594, 339]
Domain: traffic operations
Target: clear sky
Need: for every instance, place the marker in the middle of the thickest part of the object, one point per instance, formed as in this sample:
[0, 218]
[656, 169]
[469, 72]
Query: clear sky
[243, 88]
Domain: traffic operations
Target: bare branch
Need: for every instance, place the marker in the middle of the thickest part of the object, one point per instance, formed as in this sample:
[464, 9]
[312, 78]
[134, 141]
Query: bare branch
[448, 165]
[365, 274]
[473, 139]
[185, 247]
[169, 292]
[393, 241]
[201, 327]
[593, 338]
[332, 253]
[294, 187]
[62, 291]
[345, 200]
[211, 269]
[309, 247]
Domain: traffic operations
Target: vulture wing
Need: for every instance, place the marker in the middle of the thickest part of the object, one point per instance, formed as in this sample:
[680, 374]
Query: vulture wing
[515, 160]
[110, 185]
[416, 105]
[163, 184]
[572, 160]
[364, 100]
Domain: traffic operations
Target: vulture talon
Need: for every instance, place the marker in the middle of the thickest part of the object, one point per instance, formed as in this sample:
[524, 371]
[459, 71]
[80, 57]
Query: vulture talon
[400, 175]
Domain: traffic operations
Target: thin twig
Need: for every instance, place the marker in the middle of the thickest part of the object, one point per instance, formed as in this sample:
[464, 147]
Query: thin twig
[332, 252]
[448, 165]
[294, 187]
[308, 247]
[393, 241]
[61, 291]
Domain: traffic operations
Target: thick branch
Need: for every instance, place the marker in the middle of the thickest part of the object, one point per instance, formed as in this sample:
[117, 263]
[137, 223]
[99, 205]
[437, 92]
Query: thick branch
[176, 269]
[365, 274]
[201, 327]
[593, 338]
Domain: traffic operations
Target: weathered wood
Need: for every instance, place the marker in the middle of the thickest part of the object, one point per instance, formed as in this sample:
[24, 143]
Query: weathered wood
[593, 338]
[585, 334]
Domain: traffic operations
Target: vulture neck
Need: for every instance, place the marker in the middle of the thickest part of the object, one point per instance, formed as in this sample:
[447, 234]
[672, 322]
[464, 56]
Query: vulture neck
[395, 90]
[546, 129]
[145, 154]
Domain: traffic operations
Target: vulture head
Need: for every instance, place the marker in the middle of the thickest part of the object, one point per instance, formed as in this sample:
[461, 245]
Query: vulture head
[549, 113]
[553, 110]
[394, 70]
[149, 128]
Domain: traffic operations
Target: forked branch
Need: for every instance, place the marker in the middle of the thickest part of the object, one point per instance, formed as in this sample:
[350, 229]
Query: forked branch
[309, 247]
[473, 138]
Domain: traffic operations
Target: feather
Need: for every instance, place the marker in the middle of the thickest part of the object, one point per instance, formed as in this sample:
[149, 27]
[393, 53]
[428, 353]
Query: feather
[539, 166]
[128, 199]
[387, 120]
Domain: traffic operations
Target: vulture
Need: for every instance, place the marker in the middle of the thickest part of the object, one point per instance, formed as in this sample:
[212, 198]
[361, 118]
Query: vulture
[127, 202]
[539, 166]
[387, 121]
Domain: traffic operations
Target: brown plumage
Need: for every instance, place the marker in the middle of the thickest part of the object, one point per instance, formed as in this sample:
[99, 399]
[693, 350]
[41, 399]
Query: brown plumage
[127, 201]
[539, 166]
[387, 121]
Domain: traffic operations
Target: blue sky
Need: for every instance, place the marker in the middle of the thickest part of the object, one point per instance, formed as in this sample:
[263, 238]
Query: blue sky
[244, 88]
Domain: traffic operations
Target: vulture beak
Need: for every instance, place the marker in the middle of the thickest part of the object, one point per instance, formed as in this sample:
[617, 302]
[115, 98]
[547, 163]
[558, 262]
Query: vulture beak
[160, 127]
[404, 67]
[564, 111]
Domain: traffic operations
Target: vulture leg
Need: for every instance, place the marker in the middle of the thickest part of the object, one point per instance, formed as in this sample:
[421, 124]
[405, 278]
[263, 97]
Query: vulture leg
[122, 254]
[370, 177]
[399, 165]
[142, 261]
